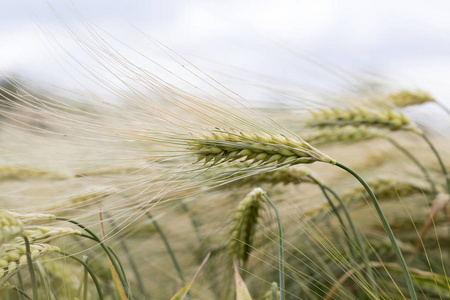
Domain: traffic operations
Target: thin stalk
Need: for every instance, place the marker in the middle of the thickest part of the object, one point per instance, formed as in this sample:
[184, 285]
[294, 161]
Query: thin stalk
[169, 248]
[193, 221]
[415, 161]
[30, 268]
[324, 190]
[44, 282]
[130, 260]
[358, 241]
[441, 163]
[21, 292]
[336, 212]
[201, 241]
[280, 249]
[85, 288]
[89, 270]
[443, 107]
[388, 229]
[116, 263]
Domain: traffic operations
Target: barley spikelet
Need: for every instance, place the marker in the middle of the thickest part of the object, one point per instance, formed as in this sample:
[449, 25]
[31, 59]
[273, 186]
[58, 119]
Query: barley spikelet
[10, 226]
[273, 293]
[14, 255]
[387, 188]
[347, 133]
[285, 175]
[408, 98]
[384, 118]
[245, 221]
[220, 145]
[34, 217]
[21, 173]
[45, 234]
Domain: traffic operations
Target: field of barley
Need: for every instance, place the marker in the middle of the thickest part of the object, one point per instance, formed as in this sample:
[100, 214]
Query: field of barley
[165, 187]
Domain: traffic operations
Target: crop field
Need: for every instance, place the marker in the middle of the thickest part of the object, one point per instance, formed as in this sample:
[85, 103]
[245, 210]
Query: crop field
[161, 188]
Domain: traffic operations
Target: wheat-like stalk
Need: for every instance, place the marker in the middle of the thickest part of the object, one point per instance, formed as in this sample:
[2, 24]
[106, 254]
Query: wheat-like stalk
[258, 148]
[245, 221]
[10, 226]
[384, 118]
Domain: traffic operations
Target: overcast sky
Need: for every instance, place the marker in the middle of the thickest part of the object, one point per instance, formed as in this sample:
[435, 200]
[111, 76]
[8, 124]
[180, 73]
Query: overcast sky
[405, 40]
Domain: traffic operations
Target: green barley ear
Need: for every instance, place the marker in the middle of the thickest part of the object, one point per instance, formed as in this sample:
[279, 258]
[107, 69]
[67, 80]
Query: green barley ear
[273, 293]
[347, 134]
[10, 226]
[245, 221]
[13, 256]
[45, 234]
[34, 217]
[285, 175]
[387, 188]
[408, 98]
[258, 148]
[384, 118]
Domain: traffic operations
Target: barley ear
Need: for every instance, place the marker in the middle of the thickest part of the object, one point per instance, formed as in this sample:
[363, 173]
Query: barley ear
[258, 148]
[245, 222]
[10, 226]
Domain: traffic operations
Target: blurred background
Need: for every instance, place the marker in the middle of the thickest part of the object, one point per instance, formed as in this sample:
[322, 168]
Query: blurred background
[304, 42]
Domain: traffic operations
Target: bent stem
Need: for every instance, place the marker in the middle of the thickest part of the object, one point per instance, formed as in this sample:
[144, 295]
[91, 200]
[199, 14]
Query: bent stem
[441, 163]
[358, 241]
[89, 270]
[131, 261]
[388, 229]
[280, 248]
[341, 222]
[415, 161]
[111, 255]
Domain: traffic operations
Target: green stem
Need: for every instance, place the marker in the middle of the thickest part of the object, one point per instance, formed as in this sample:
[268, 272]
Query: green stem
[112, 256]
[388, 229]
[169, 248]
[30, 267]
[89, 270]
[415, 161]
[201, 241]
[85, 288]
[280, 249]
[358, 241]
[441, 163]
[443, 107]
[20, 292]
[130, 260]
[344, 229]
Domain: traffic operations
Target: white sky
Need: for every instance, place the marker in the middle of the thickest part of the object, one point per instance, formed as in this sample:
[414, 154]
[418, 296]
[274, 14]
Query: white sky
[407, 41]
